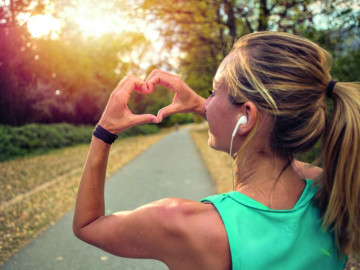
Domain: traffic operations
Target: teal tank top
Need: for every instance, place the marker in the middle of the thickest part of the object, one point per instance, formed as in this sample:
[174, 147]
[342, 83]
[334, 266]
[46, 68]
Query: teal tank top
[264, 238]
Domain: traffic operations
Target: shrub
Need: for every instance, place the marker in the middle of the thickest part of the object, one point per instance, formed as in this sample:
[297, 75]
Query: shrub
[39, 138]
[36, 138]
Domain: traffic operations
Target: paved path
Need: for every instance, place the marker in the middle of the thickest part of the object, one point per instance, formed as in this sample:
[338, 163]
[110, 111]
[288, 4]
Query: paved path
[170, 168]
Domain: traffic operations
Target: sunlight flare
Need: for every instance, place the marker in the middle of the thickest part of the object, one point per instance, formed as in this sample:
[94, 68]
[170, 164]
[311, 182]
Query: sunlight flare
[43, 25]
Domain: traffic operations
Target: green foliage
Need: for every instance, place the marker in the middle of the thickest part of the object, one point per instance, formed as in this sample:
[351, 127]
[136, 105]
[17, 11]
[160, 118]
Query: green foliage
[346, 68]
[179, 118]
[141, 103]
[140, 130]
[344, 47]
[160, 98]
[311, 156]
[37, 138]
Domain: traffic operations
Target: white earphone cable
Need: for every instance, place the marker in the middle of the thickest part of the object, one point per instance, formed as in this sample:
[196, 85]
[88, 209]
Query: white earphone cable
[231, 163]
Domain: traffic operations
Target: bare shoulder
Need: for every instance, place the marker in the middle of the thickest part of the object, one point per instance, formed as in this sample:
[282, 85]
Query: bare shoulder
[204, 243]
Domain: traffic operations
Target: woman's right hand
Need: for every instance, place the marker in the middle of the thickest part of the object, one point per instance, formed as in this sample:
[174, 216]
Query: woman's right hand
[185, 99]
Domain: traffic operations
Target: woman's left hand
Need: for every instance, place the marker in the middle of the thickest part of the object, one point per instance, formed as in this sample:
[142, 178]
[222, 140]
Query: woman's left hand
[117, 117]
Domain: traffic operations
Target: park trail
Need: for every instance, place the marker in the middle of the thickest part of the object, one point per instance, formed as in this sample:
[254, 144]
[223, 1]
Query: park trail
[170, 168]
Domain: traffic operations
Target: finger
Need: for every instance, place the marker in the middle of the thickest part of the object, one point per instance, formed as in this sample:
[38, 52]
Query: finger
[124, 80]
[139, 119]
[129, 84]
[150, 87]
[141, 86]
[159, 72]
[165, 80]
[166, 111]
[151, 74]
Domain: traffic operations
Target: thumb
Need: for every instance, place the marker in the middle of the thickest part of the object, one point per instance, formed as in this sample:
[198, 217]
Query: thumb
[144, 119]
[166, 111]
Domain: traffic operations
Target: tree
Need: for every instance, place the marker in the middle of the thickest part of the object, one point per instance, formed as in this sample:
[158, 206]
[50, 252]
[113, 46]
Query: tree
[204, 30]
[64, 79]
[16, 53]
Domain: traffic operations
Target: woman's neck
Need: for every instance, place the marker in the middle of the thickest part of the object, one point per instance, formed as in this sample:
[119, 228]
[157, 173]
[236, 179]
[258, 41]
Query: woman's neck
[269, 180]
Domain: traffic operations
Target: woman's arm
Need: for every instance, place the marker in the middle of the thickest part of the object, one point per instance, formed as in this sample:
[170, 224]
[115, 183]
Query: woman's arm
[89, 208]
[90, 198]
[170, 230]
[167, 230]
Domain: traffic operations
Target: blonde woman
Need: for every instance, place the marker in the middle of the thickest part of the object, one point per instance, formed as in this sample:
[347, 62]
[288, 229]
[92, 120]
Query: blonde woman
[269, 102]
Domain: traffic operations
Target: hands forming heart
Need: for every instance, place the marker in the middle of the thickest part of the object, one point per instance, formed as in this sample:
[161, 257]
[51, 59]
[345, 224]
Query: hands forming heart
[117, 117]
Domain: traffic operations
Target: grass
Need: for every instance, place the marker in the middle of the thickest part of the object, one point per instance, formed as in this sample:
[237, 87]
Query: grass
[36, 191]
[217, 164]
[20, 175]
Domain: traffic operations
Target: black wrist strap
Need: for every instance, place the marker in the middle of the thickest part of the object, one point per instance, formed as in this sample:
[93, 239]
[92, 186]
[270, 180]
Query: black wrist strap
[104, 135]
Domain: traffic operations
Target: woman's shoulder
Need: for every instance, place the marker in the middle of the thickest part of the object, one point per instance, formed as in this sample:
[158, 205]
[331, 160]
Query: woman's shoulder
[200, 231]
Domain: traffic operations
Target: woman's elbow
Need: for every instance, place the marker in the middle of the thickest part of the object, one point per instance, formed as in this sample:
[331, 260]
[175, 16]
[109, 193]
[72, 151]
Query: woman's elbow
[77, 231]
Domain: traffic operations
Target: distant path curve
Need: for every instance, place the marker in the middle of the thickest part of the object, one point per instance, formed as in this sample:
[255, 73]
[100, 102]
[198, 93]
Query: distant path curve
[170, 168]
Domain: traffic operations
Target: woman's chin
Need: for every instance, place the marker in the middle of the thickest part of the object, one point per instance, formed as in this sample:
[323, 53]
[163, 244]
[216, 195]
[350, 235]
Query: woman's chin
[212, 143]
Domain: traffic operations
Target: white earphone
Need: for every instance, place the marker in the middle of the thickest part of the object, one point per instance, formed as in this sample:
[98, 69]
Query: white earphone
[243, 120]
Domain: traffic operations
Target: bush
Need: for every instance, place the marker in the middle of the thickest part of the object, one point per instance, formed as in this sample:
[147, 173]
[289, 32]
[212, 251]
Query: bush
[179, 118]
[38, 138]
[140, 130]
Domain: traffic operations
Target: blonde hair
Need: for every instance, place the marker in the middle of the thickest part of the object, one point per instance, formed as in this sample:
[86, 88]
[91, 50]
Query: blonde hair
[286, 77]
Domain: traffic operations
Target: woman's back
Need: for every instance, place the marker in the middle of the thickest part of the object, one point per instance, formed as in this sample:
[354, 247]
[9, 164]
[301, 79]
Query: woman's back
[264, 238]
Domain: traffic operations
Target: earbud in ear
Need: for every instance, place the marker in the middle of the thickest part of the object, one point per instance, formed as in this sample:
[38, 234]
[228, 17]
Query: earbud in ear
[241, 121]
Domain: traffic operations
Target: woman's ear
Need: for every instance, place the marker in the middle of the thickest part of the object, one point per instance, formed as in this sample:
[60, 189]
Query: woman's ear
[251, 112]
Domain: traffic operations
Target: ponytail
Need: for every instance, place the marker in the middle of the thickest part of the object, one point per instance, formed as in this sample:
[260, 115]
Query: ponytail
[339, 194]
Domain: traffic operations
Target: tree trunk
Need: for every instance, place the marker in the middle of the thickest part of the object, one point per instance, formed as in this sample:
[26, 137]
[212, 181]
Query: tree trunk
[231, 21]
[263, 16]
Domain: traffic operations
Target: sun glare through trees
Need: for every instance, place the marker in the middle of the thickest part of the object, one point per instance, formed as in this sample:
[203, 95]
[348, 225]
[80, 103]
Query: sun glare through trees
[43, 25]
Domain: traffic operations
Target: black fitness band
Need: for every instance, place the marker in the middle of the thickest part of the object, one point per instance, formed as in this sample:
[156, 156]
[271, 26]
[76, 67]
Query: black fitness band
[104, 135]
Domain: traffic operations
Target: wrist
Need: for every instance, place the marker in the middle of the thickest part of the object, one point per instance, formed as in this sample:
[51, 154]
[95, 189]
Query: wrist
[103, 134]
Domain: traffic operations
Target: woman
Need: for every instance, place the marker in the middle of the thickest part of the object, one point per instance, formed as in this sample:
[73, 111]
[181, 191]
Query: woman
[277, 85]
